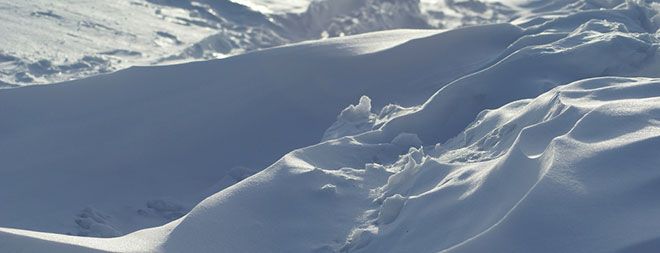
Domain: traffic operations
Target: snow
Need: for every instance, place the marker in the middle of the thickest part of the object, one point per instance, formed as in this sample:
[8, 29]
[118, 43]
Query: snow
[156, 32]
[151, 32]
[273, 6]
[91, 37]
[390, 209]
[352, 120]
[74, 129]
[153, 154]
[535, 135]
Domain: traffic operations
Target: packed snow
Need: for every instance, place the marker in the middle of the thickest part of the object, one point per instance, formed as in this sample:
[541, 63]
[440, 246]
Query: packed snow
[520, 126]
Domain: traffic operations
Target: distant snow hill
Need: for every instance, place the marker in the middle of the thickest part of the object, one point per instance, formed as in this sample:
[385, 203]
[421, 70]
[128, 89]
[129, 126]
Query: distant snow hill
[53, 41]
[538, 136]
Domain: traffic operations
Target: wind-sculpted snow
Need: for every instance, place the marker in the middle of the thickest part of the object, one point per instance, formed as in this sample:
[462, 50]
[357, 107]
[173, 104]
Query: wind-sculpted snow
[538, 175]
[595, 48]
[533, 176]
[536, 137]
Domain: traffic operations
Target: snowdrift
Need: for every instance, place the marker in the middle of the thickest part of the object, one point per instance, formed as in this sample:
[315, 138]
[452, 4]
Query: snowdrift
[570, 171]
[535, 137]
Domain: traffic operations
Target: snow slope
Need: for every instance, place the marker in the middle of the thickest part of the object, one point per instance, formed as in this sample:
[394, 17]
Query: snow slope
[532, 138]
[570, 171]
[180, 136]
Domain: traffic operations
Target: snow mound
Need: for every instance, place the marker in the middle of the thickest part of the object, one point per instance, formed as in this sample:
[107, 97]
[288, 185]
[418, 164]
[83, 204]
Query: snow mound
[563, 164]
[569, 161]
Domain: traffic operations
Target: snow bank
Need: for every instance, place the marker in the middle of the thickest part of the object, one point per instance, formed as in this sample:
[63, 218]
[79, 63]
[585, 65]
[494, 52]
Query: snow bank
[574, 159]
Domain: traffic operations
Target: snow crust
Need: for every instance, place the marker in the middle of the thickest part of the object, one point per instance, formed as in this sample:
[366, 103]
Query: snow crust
[539, 135]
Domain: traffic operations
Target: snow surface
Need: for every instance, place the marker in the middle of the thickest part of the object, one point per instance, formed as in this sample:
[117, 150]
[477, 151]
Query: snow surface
[47, 41]
[539, 135]
[182, 135]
